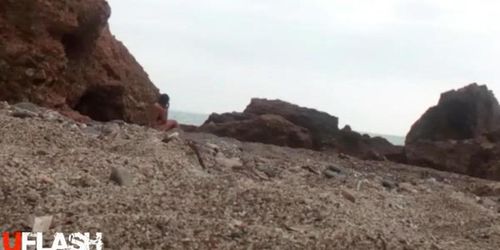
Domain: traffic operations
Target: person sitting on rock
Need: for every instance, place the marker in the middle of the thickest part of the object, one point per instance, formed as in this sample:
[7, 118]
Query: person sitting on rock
[159, 115]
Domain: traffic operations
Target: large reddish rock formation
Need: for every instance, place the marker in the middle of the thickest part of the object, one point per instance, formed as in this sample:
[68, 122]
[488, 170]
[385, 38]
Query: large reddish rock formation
[460, 114]
[322, 125]
[460, 134]
[270, 129]
[281, 123]
[61, 54]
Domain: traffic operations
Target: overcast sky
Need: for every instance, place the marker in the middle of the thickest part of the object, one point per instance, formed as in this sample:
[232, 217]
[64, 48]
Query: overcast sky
[377, 65]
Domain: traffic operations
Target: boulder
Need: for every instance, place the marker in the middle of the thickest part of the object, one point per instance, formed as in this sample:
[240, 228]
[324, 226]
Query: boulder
[62, 55]
[461, 114]
[228, 117]
[474, 157]
[461, 134]
[285, 124]
[270, 129]
[365, 147]
[321, 125]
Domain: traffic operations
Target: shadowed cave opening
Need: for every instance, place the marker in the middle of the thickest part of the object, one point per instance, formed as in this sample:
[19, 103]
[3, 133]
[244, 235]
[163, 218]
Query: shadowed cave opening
[102, 103]
[74, 46]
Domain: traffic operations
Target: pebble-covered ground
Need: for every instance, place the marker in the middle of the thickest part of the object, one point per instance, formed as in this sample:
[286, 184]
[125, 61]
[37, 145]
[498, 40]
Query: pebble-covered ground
[197, 191]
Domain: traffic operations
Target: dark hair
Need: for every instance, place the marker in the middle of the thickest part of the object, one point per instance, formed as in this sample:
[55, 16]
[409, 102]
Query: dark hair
[164, 99]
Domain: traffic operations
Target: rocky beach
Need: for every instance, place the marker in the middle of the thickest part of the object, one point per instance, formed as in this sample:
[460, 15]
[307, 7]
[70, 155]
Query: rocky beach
[75, 156]
[144, 191]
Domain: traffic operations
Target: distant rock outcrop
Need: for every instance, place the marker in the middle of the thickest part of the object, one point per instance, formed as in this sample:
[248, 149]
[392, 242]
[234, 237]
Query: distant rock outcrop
[61, 54]
[460, 134]
[268, 128]
[321, 125]
[460, 114]
[285, 124]
[366, 147]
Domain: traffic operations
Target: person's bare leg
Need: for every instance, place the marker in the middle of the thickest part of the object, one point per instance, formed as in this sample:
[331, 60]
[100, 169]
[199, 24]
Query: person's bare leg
[168, 125]
[171, 124]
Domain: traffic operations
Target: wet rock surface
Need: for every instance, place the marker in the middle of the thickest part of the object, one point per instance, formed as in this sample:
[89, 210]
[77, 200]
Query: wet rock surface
[271, 197]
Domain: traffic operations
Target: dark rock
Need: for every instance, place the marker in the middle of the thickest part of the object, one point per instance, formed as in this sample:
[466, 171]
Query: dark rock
[365, 147]
[228, 117]
[470, 157]
[389, 184]
[337, 169]
[33, 196]
[285, 124]
[271, 129]
[459, 135]
[460, 114]
[347, 128]
[22, 113]
[121, 176]
[321, 125]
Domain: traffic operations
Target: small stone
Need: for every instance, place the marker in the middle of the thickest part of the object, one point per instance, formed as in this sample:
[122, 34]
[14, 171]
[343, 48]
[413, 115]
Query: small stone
[268, 170]
[344, 156]
[111, 129]
[41, 152]
[121, 176]
[84, 181]
[330, 174]
[311, 169]
[119, 122]
[348, 196]
[407, 187]
[42, 224]
[33, 196]
[171, 137]
[234, 162]
[91, 131]
[22, 113]
[46, 179]
[336, 169]
[389, 184]
[432, 180]
[51, 116]
[213, 146]
[27, 106]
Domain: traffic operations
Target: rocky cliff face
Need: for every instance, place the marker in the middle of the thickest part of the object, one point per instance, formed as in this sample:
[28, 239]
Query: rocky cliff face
[460, 134]
[61, 54]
